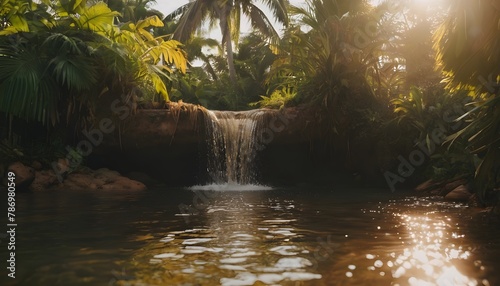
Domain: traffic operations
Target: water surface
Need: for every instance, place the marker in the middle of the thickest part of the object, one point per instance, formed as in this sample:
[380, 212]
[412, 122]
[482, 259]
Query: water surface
[336, 236]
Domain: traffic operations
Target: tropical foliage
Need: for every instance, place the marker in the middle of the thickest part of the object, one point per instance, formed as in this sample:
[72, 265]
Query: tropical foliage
[366, 73]
[133, 10]
[429, 117]
[209, 83]
[468, 49]
[322, 63]
[62, 61]
[229, 14]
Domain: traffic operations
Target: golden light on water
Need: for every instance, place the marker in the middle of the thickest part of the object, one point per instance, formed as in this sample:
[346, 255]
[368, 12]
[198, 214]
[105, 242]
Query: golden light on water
[234, 246]
[410, 242]
[422, 243]
[430, 260]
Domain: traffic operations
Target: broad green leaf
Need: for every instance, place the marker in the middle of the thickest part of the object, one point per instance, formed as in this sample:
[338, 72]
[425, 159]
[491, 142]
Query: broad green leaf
[9, 31]
[97, 18]
[19, 23]
[160, 86]
[152, 21]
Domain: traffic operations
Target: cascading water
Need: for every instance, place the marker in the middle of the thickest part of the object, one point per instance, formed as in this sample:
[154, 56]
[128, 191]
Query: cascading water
[232, 147]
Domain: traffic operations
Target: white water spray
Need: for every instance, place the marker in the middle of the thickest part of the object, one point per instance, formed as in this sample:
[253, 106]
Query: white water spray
[232, 147]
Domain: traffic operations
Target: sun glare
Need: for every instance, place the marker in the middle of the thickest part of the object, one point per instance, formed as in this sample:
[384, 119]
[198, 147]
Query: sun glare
[418, 3]
[422, 3]
[433, 257]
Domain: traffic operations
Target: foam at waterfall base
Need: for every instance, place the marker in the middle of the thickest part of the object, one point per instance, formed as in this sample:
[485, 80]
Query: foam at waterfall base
[230, 187]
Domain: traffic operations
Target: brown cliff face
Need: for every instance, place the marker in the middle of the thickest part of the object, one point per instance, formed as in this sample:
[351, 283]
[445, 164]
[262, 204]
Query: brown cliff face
[186, 124]
[171, 145]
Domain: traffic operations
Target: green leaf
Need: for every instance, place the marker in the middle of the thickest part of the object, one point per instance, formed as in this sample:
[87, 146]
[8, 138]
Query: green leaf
[98, 18]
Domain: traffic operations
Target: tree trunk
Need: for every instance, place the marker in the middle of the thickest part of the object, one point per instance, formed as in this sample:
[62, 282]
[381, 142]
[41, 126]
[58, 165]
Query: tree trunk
[226, 34]
[230, 59]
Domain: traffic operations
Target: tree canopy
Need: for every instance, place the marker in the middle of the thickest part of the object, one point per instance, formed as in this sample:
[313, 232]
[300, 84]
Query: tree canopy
[229, 14]
[69, 52]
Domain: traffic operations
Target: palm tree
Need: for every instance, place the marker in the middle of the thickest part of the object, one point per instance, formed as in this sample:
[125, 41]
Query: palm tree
[64, 62]
[48, 65]
[468, 49]
[133, 10]
[321, 61]
[467, 43]
[253, 62]
[36, 74]
[228, 13]
[324, 61]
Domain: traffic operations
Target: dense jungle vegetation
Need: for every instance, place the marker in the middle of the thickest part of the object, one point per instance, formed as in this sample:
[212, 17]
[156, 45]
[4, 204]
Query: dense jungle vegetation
[382, 79]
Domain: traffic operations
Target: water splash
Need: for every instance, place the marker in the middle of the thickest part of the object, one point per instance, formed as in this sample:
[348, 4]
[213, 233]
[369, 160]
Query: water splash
[230, 187]
[232, 147]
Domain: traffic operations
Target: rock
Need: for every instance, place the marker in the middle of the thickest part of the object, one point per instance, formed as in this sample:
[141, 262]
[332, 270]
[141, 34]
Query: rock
[24, 175]
[106, 174]
[435, 192]
[474, 201]
[78, 181]
[452, 186]
[44, 180]
[425, 186]
[143, 178]
[459, 194]
[63, 166]
[36, 165]
[124, 184]
[102, 179]
[82, 180]
[440, 188]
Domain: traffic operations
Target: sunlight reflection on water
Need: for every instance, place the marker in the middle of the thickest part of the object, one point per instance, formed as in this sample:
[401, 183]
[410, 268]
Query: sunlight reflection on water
[236, 248]
[280, 237]
[429, 252]
[240, 242]
[230, 187]
[429, 260]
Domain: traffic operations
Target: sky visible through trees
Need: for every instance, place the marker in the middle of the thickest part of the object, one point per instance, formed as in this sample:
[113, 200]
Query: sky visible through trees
[167, 7]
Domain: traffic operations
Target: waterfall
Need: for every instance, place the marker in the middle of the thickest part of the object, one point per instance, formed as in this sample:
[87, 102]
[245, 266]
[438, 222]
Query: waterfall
[233, 143]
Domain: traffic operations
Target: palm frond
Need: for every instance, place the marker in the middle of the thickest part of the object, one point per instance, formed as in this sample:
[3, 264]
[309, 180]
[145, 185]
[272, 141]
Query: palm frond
[97, 18]
[278, 9]
[26, 89]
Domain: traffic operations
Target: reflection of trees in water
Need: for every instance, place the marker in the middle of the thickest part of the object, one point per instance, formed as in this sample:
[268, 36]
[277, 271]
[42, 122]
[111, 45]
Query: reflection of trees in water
[240, 239]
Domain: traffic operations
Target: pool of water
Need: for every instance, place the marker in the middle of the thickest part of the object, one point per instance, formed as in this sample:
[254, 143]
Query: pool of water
[306, 236]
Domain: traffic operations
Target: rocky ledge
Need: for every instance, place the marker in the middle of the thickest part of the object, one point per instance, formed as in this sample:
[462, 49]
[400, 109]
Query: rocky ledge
[30, 179]
[457, 189]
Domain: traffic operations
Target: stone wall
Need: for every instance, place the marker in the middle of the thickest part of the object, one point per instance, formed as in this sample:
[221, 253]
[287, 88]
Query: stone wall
[169, 144]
